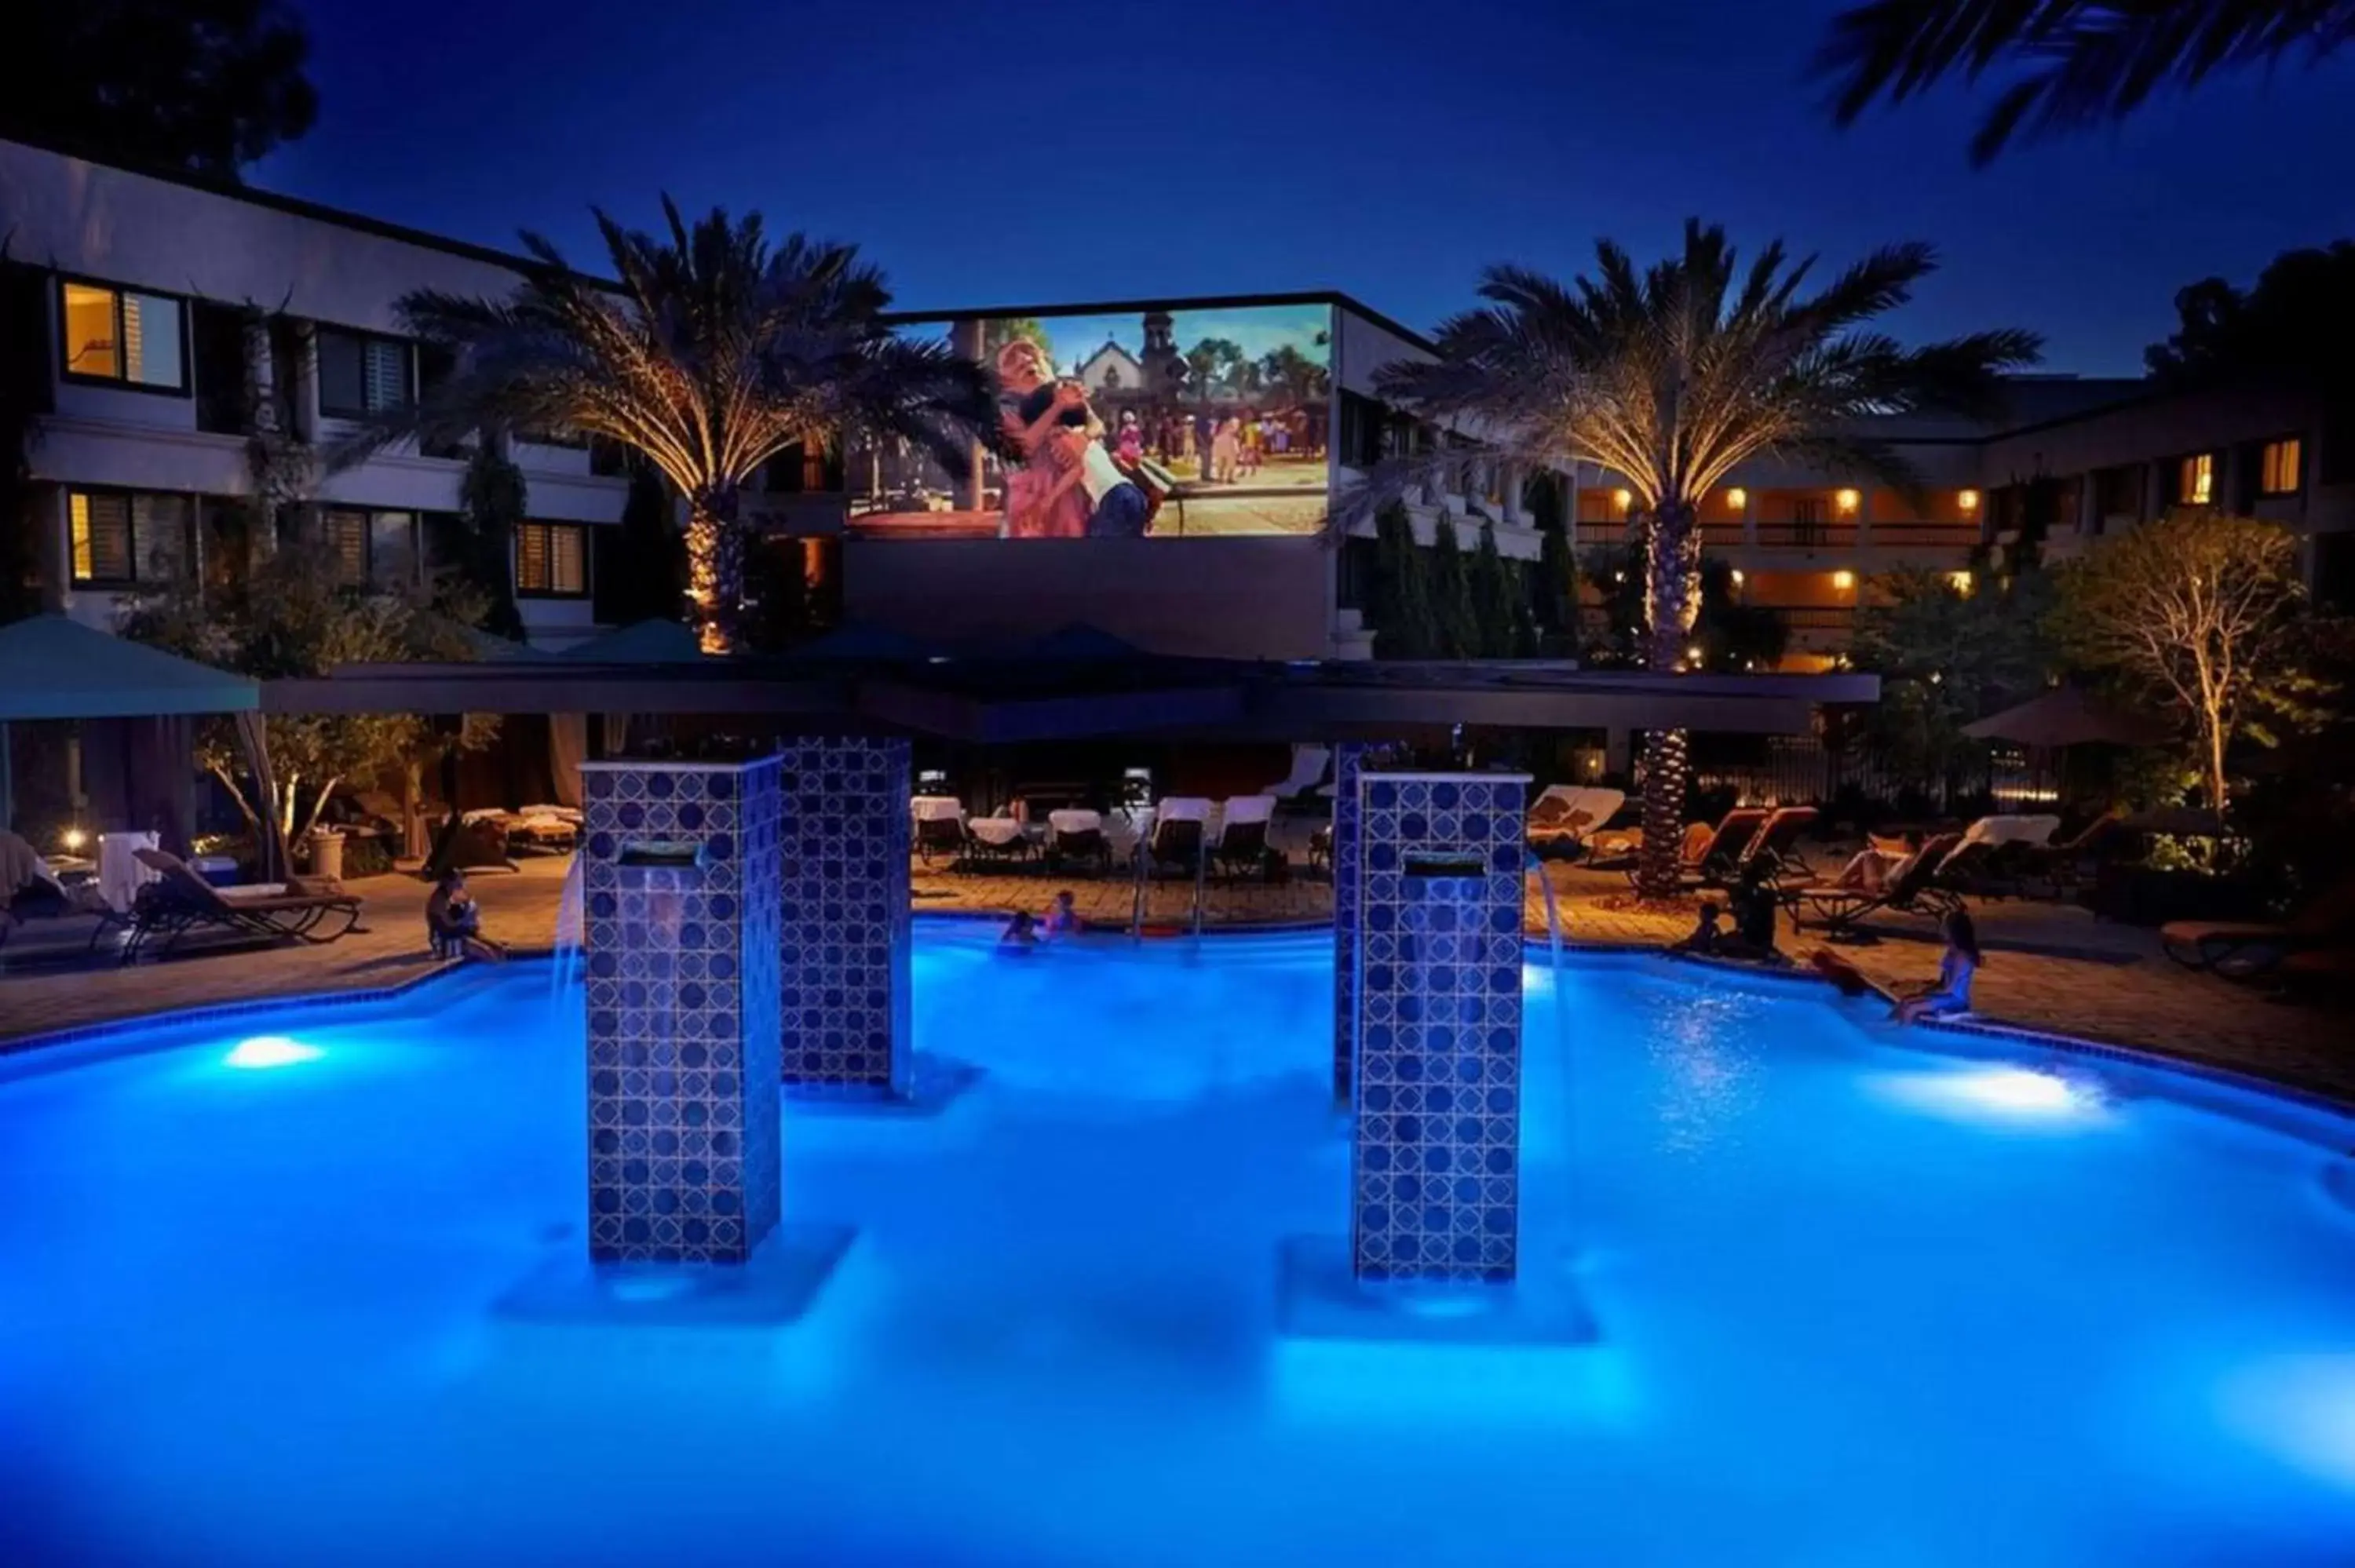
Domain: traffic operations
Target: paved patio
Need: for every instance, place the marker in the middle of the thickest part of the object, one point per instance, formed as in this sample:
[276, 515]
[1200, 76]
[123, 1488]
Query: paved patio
[2049, 966]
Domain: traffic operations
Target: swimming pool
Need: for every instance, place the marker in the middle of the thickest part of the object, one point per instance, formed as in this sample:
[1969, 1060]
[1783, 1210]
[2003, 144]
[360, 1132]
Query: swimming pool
[1859, 1304]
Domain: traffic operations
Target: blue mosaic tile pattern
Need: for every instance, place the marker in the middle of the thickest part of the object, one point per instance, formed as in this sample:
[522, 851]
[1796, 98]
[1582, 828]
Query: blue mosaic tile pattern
[1436, 1165]
[846, 941]
[682, 979]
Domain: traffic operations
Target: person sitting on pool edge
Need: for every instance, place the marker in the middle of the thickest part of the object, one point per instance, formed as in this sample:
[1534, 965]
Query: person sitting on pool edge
[453, 922]
[1706, 934]
[1021, 932]
[1062, 920]
[1952, 992]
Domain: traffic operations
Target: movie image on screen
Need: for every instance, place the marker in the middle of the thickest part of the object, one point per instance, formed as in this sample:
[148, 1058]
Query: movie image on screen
[1149, 423]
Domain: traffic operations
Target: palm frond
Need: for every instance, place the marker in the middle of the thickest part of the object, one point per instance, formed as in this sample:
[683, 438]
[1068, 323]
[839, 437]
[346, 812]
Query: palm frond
[2083, 61]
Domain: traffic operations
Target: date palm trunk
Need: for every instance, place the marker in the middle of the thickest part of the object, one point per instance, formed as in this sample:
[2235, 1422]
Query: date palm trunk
[1671, 604]
[714, 568]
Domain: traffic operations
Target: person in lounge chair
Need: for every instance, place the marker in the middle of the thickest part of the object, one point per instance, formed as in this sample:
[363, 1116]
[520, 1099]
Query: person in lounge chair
[453, 922]
[1062, 919]
[1952, 992]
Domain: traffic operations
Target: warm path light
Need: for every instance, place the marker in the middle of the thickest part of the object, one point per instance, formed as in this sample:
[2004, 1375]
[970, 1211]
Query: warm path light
[1960, 582]
[1968, 500]
[1847, 500]
[1843, 580]
[1623, 499]
[1737, 498]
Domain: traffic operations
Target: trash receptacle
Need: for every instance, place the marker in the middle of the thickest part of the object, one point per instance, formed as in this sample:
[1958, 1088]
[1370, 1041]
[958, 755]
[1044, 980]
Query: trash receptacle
[327, 856]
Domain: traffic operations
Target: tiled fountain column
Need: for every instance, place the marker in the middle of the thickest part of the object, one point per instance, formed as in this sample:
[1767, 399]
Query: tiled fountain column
[1435, 1166]
[682, 983]
[845, 941]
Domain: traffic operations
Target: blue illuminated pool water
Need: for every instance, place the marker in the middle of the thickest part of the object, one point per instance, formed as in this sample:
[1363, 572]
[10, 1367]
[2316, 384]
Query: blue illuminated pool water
[1860, 1305]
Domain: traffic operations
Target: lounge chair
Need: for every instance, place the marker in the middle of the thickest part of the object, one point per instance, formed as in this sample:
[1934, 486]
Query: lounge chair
[2060, 870]
[1566, 815]
[940, 827]
[1706, 852]
[1910, 888]
[1178, 824]
[1241, 846]
[180, 901]
[1077, 837]
[475, 842]
[1989, 859]
[1775, 849]
[997, 839]
[1309, 765]
[2246, 949]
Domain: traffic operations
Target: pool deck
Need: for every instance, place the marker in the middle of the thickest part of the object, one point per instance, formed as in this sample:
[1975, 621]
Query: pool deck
[2050, 967]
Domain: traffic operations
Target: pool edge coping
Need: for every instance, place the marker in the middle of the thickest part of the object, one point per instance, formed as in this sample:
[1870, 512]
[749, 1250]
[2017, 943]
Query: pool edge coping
[2305, 1097]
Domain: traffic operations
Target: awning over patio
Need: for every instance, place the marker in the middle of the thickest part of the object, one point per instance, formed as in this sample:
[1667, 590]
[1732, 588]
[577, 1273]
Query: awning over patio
[52, 667]
[1075, 686]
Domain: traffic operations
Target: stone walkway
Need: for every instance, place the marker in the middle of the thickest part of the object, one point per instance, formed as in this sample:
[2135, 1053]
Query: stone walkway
[2048, 967]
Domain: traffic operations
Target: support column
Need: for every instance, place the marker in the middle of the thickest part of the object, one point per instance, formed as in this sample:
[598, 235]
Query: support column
[1435, 1162]
[679, 885]
[845, 939]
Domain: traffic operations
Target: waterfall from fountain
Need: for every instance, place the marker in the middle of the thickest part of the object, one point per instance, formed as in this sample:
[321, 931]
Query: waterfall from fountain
[570, 928]
[1536, 868]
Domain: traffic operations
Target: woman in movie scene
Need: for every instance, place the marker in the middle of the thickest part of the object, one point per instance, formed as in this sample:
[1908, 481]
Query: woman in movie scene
[1067, 487]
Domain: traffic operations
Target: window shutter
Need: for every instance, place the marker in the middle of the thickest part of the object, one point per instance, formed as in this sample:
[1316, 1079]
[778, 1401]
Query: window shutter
[348, 538]
[531, 558]
[566, 574]
[159, 533]
[388, 374]
[101, 537]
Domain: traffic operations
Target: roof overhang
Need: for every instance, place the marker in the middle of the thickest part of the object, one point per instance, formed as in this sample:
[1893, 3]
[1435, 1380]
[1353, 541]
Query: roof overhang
[1004, 701]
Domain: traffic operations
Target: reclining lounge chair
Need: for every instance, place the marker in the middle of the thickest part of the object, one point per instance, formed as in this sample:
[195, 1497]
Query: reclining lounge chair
[1706, 853]
[1910, 888]
[2246, 949]
[1241, 846]
[183, 902]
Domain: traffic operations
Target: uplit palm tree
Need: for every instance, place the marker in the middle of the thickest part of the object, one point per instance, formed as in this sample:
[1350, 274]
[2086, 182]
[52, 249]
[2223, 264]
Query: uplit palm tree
[715, 353]
[1672, 376]
[2087, 60]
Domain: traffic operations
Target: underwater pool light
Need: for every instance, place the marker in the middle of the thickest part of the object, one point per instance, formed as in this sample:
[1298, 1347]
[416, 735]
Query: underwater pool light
[271, 1050]
[2005, 1094]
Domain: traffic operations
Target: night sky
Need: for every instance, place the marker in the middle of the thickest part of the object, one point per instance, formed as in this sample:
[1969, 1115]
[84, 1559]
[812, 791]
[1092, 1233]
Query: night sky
[1017, 152]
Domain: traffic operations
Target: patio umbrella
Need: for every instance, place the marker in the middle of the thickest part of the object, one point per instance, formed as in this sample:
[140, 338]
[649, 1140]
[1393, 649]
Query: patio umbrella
[54, 667]
[2069, 715]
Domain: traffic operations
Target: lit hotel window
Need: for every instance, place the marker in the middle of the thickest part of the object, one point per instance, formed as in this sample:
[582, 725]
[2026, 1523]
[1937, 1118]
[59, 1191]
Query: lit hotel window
[2197, 484]
[113, 334]
[2280, 469]
[552, 559]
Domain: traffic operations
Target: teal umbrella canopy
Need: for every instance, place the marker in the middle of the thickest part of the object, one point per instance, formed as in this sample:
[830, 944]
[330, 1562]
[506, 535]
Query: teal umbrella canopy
[53, 667]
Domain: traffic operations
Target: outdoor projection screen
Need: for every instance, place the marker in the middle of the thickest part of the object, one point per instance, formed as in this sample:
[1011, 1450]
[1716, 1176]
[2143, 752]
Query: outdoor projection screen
[1145, 422]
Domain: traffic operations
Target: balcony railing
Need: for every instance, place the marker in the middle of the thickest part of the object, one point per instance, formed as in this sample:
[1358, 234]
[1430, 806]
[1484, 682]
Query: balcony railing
[1955, 535]
[1807, 536]
[1814, 617]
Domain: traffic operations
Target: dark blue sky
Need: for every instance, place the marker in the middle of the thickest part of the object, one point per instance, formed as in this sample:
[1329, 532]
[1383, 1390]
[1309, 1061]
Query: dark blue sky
[998, 151]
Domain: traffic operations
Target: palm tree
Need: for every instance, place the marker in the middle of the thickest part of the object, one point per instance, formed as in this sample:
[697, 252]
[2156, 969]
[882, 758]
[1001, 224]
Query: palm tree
[715, 353]
[2087, 61]
[1672, 376]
